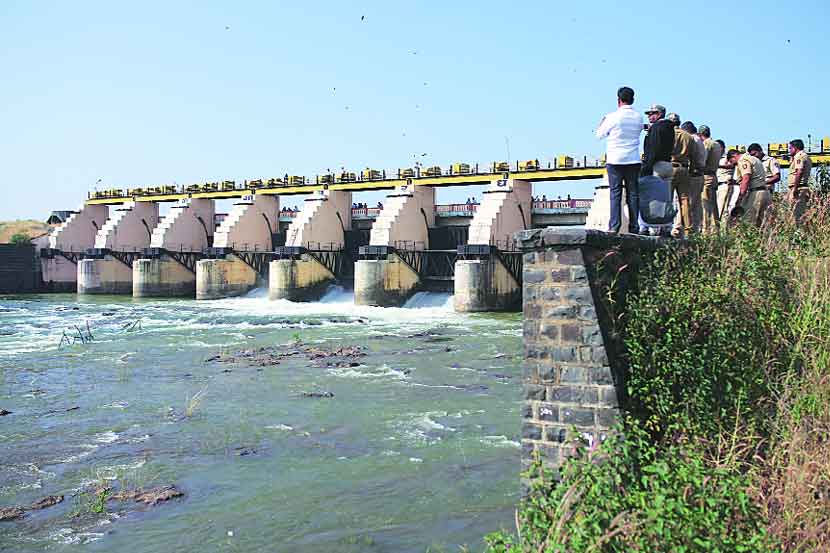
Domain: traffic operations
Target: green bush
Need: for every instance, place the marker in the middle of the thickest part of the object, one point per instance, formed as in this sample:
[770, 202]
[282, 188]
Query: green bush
[705, 336]
[20, 238]
[628, 495]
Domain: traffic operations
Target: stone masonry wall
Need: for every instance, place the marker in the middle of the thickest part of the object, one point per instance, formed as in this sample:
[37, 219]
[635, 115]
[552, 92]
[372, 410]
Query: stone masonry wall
[573, 377]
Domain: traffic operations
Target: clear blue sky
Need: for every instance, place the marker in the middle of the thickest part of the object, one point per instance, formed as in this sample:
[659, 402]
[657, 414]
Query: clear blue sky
[153, 92]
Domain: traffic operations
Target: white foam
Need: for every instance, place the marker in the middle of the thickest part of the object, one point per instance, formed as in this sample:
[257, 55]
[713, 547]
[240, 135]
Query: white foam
[363, 371]
[279, 427]
[107, 437]
[500, 441]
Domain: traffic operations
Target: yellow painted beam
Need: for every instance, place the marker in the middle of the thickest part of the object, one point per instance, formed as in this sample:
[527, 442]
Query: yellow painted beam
[558, 174]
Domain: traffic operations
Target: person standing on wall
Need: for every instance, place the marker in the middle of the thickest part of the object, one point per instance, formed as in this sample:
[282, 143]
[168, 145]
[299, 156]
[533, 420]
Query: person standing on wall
[622, 130]
[798, 178]
[657, 150]
[754, 196]
[681, 160]
[709, 198]
[698, 165]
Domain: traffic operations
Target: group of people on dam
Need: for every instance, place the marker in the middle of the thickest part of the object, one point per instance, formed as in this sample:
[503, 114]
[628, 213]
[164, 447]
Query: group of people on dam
[709, 184]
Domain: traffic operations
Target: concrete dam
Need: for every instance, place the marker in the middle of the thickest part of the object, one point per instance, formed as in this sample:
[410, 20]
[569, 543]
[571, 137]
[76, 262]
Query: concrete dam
[122, 245]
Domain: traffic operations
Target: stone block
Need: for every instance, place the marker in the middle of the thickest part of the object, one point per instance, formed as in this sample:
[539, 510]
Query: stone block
[578, 295]
[579, 274]
[560, 276]
[551, 293]
[533, 276]
[573, 375]
[527, 410]
[547, 372]
[551, 331]
[549, 454]
[570, 257]
[577, 416]
[563, 355]
[592, 336]
[573, 394]
[587, 313]
[547, 412]
[556, 434]
[571, 333]
[601, 375]
[531, 431]
[534, 392]
[606, 418]
[561, 312]
[608, 396]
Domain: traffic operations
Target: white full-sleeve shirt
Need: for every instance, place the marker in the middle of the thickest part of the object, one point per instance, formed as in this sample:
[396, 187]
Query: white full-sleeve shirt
[622, 128]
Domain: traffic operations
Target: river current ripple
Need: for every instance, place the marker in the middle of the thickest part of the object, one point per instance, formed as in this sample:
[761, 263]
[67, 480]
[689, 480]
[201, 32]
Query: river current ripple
[418, 449]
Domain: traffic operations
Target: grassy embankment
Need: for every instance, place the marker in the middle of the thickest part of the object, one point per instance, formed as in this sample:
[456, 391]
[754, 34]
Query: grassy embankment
[725, 444]
[30, 228]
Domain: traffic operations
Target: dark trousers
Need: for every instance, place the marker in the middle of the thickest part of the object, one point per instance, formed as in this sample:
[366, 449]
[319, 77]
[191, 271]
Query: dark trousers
[619, 177]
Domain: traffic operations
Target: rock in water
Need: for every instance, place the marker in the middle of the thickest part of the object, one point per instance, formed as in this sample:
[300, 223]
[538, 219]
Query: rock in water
[318, 394]
[45, 502]
[157, 495]
[10, 513]
[3, 412]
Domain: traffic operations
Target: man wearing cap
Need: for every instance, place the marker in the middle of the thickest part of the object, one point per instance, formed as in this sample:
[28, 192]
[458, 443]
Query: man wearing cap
[681, 161]
[753, 196]
[709, 197]
[798, 178]
[698, 164]
[622, 128]
[657, 150]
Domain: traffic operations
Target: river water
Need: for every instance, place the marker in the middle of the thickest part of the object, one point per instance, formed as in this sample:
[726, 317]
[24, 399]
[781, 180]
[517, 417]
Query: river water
[417, 450]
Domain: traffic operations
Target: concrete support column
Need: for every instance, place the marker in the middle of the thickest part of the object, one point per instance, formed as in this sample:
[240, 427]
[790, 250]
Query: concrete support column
[224, 278]
[188, 229]
[128, 229]
[298, 278]
[250, 226]
[76, 234]
[485, 284]
[321, 225]
[482, 282]
[384, 278]
[162, 278]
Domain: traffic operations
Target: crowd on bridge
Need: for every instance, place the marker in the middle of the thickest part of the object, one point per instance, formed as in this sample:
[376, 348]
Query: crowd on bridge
[708, 184]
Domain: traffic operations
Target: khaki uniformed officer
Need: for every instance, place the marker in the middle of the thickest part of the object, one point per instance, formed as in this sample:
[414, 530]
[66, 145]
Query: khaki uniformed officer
[680, 161]
[754, 196]
[709, 198]
[798, 179]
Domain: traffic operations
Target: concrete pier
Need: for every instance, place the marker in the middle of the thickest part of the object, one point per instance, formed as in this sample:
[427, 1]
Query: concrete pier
[482, 281]
[74, 236]
[181, 236]
[382, 277]
[485, 284]
[128, 230]
[321, 227]
[250, 227]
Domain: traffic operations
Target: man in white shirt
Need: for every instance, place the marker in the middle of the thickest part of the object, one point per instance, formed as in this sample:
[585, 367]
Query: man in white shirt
[622, 129]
